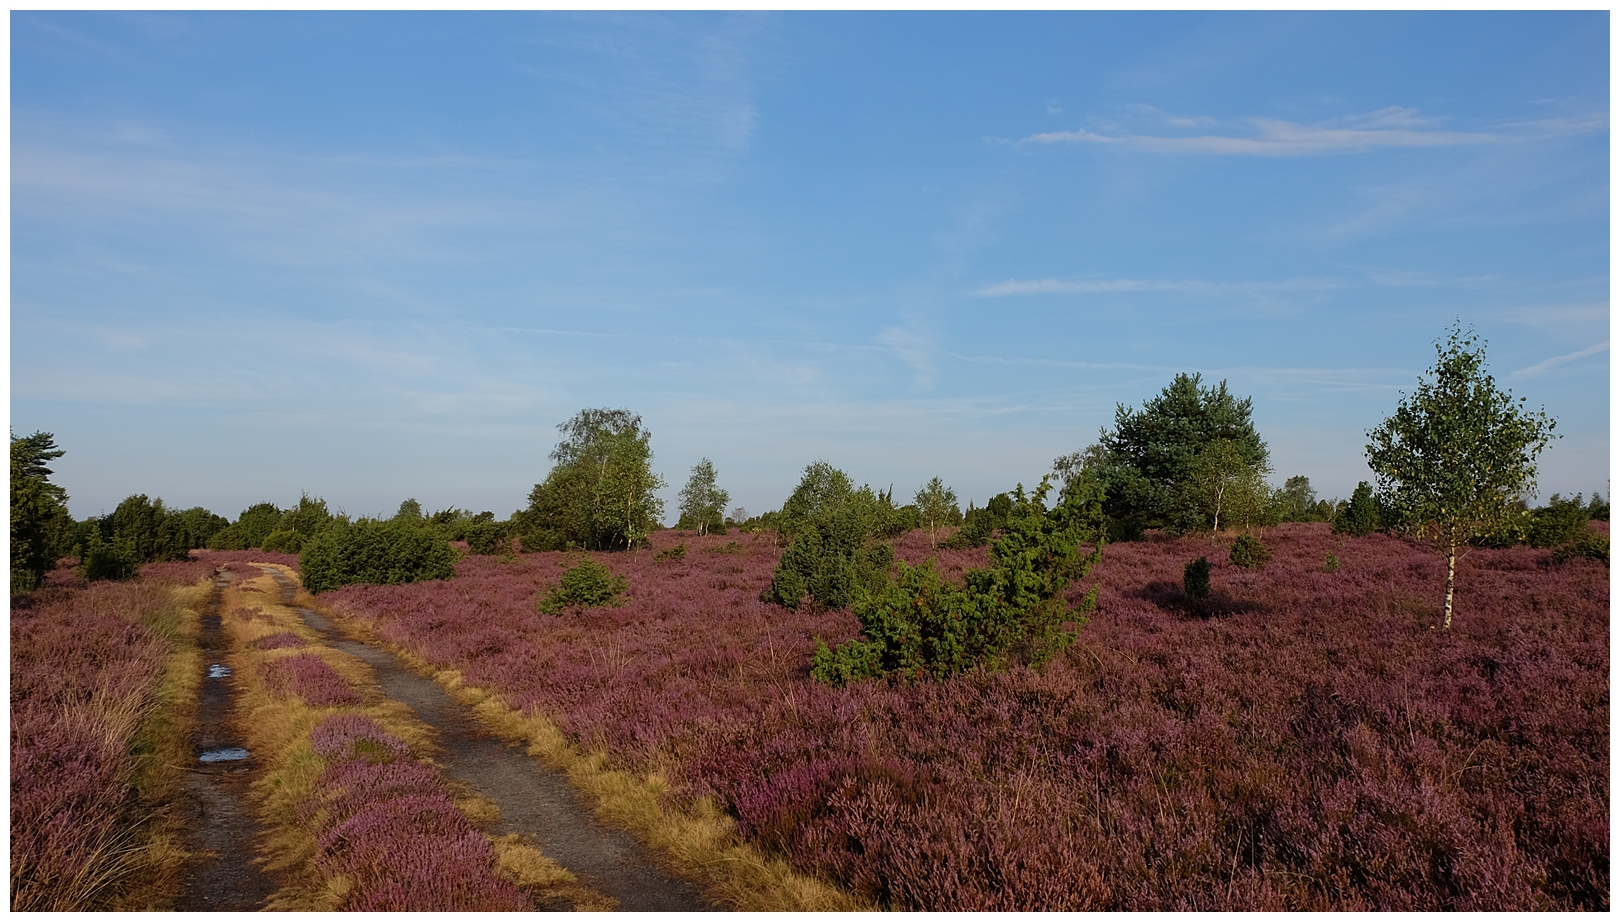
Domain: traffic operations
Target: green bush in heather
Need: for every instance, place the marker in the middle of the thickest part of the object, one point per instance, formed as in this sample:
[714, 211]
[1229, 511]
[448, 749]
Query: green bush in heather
[1195, 579]
[374, 552]
[1250, 553]
[919, 626]
[587, 584]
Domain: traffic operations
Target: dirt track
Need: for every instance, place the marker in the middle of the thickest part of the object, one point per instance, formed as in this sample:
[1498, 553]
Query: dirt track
[534, 802]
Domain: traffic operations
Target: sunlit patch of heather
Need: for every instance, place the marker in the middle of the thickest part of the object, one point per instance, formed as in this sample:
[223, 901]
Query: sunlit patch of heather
[1305, 740]
[279, 641]
[82, 675]
[388, 826]
[310, 678]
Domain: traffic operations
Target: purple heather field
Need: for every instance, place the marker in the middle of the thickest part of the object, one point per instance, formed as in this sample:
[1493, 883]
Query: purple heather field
[1306, 739]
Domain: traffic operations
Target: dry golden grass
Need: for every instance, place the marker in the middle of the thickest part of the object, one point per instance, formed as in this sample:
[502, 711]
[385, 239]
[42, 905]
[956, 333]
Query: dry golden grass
[162, 747]
[545, 881]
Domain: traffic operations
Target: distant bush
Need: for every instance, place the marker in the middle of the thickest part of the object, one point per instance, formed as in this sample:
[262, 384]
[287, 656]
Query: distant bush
[980, 525]
[1361, 517]
[831, 525]
[1195, 579]
[588, 584]
[1590, 546]
[375, 552]
[101, 559]
[678, 552]
[1561, 521]
[249, 530]
[1250, 552]
[730, 547]
[486, 537]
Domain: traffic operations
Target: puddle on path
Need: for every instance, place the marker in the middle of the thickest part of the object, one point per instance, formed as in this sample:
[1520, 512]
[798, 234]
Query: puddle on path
[534, 801]
[221, 827]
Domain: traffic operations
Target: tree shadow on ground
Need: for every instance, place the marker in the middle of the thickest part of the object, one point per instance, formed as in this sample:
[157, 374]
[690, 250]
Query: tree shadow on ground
[1169, 596]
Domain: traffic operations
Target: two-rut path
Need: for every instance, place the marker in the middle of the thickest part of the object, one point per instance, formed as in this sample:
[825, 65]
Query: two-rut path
[535, 802]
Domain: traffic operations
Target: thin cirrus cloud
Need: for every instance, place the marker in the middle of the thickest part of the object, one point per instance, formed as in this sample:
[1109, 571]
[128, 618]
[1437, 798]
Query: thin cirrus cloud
[1392, 127]
[1014, 287]
[1547, 365]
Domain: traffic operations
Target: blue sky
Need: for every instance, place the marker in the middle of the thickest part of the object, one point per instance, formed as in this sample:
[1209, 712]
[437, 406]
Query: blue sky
[379, 256]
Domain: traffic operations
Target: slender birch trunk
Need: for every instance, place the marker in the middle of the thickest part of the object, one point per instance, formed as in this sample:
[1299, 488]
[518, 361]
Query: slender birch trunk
[1451, 578]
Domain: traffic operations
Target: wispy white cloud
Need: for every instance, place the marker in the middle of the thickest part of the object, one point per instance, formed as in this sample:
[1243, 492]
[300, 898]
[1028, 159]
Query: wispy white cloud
[1395, 126]
[915, 348]
[1547, 365]
[1408, 279]
[1013, 287]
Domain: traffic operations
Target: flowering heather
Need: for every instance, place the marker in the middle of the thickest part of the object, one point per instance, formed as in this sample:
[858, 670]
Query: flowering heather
[278, 641]
[309, 677]
[83, 670]
[1302, 739]
[387, 825]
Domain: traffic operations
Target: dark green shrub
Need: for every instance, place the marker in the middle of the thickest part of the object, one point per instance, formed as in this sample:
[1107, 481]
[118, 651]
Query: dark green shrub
[249, 530]
[101, 559]
[1250, 552]
[537, 540]
[1195, 579]
[1590, 546]
[375, 552]
[678, 552]
[587, 584]
[832, 555]
[730, 547]
[486, 538]
[917, 625]
[980, 525]
[283, 541]
[1361, 516]
[1332, 563]
[1561, 521]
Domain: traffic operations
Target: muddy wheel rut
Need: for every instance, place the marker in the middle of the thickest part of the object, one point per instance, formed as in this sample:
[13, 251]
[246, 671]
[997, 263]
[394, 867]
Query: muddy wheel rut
[534, 802]
[221, 825]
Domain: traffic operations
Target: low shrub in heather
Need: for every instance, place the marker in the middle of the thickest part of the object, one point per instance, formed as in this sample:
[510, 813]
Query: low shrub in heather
[1331, 564]
[678, 552]
[374, 552]
[917, 625]
[83, 671]
[487, 538]
[1249, 552]
[1326, 747]
[386, 825]
[1589, 546]
[1195, 579]
[587, 584]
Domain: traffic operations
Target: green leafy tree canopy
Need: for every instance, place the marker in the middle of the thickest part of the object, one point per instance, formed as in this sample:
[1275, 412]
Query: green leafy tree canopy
[601, 492]
[1457, 454]
[1147, 462]
[703, 503]
[936, 503]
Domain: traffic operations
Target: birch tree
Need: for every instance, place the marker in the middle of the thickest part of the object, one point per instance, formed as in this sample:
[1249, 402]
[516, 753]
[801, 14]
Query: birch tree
[1456, 454]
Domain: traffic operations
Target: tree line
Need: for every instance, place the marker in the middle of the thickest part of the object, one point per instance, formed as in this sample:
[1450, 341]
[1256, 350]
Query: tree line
[1453, 463]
